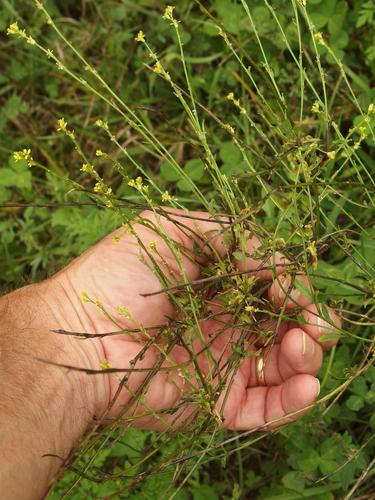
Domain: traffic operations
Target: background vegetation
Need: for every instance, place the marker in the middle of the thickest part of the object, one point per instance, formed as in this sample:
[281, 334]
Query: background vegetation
[286, 97]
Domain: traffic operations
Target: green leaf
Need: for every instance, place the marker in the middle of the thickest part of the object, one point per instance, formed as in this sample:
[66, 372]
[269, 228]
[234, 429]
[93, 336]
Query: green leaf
[18, 176]
[302, 288]
[168, 173]
[359, 387]
[230, 154]
[194, 169]
[309, 460]
[319, 20]
[231, 14]
[11, 109]
[294, 481]
[370, 396]
[260, 15]
[235, 169]
[328, 337]
[118, 13]
[367, 248]
[339, 40]
[355, 403]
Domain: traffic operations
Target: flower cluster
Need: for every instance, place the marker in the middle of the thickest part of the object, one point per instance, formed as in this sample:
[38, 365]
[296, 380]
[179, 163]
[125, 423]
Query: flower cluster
[168, 16]
[25, 154]
[62, 127]
[138, 185]
[165, 197]
[14, 29]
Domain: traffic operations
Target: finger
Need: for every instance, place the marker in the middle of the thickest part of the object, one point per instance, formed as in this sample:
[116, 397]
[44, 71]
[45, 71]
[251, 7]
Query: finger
[316, 325]
[209, 235]
[297, 353]
[284, 292]
[270, 330]
[270, 407]
[264, 266]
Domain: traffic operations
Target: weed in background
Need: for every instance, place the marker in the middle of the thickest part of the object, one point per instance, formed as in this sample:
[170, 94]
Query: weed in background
[286, 154]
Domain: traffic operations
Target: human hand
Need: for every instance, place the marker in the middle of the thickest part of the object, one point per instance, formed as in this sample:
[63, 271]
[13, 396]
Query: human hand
[267, 387]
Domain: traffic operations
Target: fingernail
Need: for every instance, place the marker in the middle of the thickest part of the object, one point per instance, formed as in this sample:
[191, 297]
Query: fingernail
[308, 345]
[317, 382]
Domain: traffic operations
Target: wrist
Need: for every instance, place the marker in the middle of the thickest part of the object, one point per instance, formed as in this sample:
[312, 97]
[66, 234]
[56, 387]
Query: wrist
[45, 407]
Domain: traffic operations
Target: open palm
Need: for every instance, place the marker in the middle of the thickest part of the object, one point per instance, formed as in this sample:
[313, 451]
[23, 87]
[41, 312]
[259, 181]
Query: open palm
[116, 273]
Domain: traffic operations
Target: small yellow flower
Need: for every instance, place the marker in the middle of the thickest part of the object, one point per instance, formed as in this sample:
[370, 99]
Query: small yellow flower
[138, 184]
[13, 29]
[25, 154]
[86, 167]
[165, 197]
[157, 68]
[30, 40]
[140, 37]
[319, 38]
[331, 155]
[101, 124]
[99, 152]
[105, 364]
[229, 128]
[168, 13]
[152, 245]
[123, 311]
[250, 309]
[84, 297]
[61, 125]
[363, 132]
[315, 108]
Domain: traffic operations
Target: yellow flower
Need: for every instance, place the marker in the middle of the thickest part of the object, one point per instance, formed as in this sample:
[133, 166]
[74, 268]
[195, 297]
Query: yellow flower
[166, 197]
[123, 311]
[331, 155]
[140, 37]
[315, 108]
[25, 154]
[157, 68]
[105, 364]
[84, 297]
[86, 167]
[168, 13]
[152, 245]
[319, 38]
[13, 29]
[99, 152]
[61, 125]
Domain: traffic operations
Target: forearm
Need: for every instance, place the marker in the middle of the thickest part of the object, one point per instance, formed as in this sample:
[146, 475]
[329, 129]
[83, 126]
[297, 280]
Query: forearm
[43, 409]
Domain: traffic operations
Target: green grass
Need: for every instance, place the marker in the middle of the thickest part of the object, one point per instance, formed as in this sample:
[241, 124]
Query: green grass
[261, 110]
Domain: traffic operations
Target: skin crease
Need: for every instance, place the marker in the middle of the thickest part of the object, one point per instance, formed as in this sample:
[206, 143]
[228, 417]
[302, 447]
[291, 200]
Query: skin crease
[45, 409]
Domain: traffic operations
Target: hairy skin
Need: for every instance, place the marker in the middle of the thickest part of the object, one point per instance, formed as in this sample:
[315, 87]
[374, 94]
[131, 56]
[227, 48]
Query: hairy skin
[45, 410]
